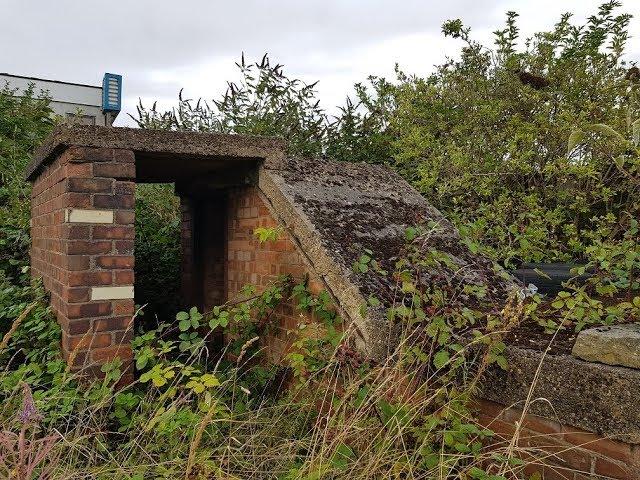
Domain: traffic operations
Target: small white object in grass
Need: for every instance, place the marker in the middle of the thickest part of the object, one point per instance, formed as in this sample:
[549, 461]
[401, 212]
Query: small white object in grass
[529, 291]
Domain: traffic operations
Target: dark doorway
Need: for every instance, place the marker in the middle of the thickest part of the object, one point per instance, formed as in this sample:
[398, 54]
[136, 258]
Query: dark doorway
[209, 249]
[157, 254]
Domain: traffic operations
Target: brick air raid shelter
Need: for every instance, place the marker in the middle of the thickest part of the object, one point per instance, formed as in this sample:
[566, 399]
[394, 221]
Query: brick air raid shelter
[82, 232]
[83, 226]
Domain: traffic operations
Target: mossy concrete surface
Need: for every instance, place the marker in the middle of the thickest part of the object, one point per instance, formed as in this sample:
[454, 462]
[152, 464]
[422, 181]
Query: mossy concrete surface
[338, 211]
[599, 398]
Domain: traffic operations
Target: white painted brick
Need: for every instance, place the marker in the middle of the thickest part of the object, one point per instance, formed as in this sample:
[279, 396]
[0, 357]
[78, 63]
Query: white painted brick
[111, 293]
[79, 215]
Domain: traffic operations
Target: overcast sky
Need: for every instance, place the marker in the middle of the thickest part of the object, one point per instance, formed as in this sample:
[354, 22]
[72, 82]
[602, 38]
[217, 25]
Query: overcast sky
[160, 46]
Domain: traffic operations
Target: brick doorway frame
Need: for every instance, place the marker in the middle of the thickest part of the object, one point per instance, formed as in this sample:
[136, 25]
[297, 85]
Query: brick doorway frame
[82, 227]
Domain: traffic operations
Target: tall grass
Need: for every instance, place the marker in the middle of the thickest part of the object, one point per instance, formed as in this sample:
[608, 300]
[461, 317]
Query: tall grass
[343, 421]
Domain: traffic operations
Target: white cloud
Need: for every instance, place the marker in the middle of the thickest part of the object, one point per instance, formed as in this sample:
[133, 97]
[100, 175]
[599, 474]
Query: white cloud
[160, 46]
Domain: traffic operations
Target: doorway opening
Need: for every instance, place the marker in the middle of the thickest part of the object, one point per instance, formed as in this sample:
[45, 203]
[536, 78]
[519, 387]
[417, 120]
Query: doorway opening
[157, 254]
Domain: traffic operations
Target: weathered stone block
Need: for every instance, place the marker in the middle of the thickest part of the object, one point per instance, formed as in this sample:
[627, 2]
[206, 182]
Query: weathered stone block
[613, 345]
[78, 215]
[112, 293]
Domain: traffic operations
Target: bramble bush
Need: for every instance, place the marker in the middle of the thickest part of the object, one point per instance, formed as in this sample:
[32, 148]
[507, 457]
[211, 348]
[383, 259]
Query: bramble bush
[532, 152]
[24, 122]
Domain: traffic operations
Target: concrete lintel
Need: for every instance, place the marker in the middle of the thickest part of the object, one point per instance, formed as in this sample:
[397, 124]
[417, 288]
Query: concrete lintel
[151, 143]
[591, 396]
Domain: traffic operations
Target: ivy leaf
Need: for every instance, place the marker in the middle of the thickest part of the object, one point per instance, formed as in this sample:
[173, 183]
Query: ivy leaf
[141, 362]
[184, 325]
[373, 301]
[607, 131]
[182, 316]
[410, 233]
[342, 456]
[196, 386]
[158, 380]
[209, 380]
[194, 314]
[502, 362]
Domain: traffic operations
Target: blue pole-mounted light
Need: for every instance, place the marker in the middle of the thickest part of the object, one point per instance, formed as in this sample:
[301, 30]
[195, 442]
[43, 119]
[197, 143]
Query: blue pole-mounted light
[111, 92]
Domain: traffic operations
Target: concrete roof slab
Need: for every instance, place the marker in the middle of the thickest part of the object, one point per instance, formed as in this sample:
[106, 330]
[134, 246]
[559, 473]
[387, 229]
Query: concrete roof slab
[183, 150]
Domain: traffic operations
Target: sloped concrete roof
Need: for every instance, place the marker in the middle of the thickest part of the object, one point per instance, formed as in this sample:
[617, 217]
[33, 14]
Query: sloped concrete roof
[337, 211]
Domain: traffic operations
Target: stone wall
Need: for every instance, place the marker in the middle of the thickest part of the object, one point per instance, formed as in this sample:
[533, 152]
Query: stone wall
[82, 247]
[558, 451]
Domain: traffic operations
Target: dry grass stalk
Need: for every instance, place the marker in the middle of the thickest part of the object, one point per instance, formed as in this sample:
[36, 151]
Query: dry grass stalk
[15, 325]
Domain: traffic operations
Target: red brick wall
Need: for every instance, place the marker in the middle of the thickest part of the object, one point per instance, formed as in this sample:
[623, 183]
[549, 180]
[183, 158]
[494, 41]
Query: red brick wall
[187, 263]
[252, 262]
[211, 246]
[75, 256]
[564, 452]
[203, 249]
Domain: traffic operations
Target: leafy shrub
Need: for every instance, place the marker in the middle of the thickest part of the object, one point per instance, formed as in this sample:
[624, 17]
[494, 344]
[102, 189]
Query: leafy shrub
[264, 102]
[528, 151]
[341, 417]
[485, 138]
[24, 122]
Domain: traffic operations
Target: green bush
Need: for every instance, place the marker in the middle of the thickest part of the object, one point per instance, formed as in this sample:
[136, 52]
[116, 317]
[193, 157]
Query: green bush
[530, 152]
[24, 122]
[533, 154]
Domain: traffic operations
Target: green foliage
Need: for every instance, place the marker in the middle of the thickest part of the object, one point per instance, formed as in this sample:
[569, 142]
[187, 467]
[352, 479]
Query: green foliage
[37, 336]
[185, 406]
[24, 122]
[532, 153]
[610, 295]
[485, 137]
[360, 133]
[268, 234]
[526, 150]
[264, 102]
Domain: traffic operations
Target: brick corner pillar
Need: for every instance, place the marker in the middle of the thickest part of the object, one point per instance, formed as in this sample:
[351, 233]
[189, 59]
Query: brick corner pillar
[82, 207]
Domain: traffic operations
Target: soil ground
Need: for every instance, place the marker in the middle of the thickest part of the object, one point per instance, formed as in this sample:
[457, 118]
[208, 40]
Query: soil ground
[531, 335]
